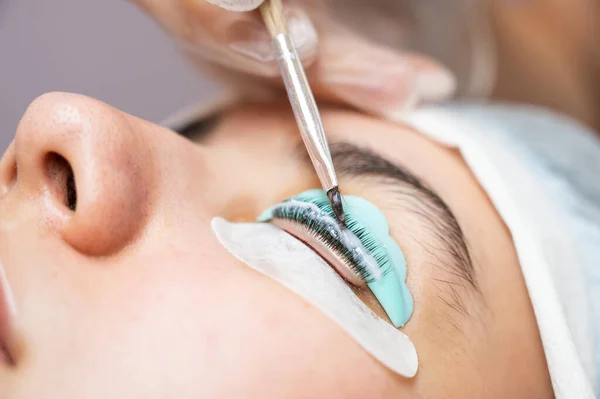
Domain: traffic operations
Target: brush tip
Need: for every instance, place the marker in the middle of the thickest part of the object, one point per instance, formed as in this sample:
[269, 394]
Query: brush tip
[272, 13]
[335, 198]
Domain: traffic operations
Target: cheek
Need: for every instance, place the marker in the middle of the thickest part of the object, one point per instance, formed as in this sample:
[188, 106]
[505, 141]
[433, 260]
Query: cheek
[194, 324]
[251, 331]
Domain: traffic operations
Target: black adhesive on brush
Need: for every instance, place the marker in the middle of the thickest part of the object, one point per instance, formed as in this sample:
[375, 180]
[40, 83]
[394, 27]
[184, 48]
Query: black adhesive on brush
[335, 198]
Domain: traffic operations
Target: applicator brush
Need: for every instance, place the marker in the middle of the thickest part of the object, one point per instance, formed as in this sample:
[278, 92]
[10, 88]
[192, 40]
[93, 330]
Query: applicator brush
[303, 103]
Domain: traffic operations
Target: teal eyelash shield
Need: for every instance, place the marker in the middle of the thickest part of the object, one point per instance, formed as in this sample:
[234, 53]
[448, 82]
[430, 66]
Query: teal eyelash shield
[364, 252]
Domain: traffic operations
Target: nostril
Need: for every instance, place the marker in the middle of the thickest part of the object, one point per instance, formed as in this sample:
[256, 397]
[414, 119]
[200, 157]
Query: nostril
[61, 180]
[71, 192]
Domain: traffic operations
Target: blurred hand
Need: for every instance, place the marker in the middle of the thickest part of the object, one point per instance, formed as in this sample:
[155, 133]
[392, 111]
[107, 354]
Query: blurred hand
[221, 37]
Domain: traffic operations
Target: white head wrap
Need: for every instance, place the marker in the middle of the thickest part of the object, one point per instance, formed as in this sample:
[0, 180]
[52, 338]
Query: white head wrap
[542, 173]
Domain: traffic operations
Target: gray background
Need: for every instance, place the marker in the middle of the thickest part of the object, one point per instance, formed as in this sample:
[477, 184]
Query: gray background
[106, 49]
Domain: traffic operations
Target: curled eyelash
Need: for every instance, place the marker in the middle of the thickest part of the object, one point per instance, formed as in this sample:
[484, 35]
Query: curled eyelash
[354, 246]
[362, 252]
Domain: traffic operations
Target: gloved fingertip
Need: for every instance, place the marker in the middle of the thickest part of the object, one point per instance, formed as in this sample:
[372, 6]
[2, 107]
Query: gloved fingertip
[303, 33]
[435, 84]
[394, 92]
[250, 39]
[430, 85]
[251, 42]
[237, 5]
[378, 89]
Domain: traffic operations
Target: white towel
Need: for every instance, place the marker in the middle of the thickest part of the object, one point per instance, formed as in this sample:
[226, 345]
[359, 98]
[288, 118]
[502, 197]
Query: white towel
[542, 173]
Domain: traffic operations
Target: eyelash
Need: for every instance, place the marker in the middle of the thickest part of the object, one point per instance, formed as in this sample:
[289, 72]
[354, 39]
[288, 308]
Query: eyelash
[325, 231]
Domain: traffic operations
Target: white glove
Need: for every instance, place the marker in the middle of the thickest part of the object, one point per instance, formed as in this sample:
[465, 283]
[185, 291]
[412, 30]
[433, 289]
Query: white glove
[341, 65]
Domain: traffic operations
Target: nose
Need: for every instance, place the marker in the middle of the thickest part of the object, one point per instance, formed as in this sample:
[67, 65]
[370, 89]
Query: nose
[86, 167]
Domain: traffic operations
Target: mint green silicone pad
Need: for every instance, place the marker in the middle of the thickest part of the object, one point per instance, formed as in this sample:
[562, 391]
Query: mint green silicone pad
[390, 290]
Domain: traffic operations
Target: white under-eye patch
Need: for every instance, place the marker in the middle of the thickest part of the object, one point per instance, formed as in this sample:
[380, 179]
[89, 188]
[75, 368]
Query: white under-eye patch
[283, 258]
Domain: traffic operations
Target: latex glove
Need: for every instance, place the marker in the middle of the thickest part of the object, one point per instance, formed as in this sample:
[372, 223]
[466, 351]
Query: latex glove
[341, 65]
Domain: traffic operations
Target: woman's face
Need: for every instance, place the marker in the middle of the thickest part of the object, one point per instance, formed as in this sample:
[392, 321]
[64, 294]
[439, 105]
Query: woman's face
[121, 289]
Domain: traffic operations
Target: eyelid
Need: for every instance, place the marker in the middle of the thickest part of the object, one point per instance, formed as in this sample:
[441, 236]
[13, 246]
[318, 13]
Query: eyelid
[200, 129]
[321, 248]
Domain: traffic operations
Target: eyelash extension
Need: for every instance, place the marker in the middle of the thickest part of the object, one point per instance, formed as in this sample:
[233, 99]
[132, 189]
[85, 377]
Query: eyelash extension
[357, 248]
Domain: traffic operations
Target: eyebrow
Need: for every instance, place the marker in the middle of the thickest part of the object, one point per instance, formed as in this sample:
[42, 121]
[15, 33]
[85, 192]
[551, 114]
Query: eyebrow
[353, 161]
[199, 129]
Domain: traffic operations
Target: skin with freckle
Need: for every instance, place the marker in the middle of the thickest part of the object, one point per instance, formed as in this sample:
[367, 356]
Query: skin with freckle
[130, 295]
